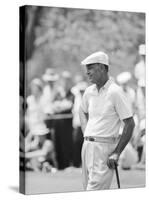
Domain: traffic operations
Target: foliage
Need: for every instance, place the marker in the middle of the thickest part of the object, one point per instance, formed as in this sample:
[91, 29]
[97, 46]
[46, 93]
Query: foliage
[65, 36]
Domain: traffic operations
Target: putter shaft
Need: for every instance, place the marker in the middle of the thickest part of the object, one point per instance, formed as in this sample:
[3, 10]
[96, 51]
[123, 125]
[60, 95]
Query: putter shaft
[117, 176]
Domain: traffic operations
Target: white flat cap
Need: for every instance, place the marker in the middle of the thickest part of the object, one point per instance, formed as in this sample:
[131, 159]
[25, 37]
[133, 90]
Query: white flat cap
[97, 57]
[123, 77]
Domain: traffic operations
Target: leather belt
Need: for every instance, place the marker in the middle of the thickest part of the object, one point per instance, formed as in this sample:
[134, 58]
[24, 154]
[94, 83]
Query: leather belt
[101, 139]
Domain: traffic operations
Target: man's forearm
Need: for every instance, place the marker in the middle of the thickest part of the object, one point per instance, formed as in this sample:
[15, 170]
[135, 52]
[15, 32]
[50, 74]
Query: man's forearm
[83, 119]
[126, 135]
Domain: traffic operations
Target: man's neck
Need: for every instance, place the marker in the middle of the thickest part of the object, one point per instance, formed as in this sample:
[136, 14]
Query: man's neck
[102, 83]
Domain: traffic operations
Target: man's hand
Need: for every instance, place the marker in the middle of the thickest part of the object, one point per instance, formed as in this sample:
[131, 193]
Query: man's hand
[113, 160]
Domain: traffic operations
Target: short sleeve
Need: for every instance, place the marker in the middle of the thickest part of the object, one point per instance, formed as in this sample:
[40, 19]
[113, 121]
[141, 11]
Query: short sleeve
[84, 103]
[122, 105]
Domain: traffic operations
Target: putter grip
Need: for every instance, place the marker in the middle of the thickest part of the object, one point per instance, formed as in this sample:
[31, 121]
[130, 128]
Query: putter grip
[117, 175]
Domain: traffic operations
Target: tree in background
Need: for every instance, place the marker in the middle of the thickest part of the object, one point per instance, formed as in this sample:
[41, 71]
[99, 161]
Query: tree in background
[62, 37]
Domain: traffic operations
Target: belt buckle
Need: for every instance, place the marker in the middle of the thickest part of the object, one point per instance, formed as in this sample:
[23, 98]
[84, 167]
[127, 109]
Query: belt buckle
[91, 139]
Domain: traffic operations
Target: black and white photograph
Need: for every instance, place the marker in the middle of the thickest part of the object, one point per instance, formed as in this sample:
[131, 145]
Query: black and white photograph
[73, 99]
[82, 99]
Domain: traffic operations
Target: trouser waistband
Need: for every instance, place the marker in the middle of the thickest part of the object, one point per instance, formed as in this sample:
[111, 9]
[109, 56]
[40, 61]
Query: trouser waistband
[101, 139]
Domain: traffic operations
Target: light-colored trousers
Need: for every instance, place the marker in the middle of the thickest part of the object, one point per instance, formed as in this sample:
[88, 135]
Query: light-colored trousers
[96, 173]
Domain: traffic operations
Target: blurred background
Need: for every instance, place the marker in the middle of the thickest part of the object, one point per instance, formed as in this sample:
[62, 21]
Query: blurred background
[62, 37]
[53, 42]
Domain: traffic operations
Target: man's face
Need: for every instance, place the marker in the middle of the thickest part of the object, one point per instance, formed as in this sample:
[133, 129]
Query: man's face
[94, 72]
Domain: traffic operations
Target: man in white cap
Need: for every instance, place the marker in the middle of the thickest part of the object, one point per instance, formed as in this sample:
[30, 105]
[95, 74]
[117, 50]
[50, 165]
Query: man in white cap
[103, 108]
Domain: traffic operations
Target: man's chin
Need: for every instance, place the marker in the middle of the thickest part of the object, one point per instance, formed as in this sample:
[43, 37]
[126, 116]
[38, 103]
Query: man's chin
[92, 81]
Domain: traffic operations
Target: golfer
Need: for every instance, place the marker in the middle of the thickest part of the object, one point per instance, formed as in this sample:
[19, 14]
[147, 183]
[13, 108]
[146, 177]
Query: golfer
[103, 108]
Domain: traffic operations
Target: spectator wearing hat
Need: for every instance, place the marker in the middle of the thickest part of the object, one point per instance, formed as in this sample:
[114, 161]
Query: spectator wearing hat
[139, 70]
[123, 79]
[35, 109]
[139, 73]
[36, 144]
[78, 91]
[50, 94]
[103, 107]
[50, 90]
[129, 155]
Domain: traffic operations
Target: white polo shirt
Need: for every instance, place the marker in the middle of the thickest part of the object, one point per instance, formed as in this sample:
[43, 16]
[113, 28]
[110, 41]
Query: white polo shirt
[106, 109]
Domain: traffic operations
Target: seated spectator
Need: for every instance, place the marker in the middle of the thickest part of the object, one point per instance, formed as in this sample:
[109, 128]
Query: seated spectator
[40, 153]
[37, 146]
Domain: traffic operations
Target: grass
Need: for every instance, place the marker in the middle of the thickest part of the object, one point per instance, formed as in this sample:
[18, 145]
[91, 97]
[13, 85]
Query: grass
[69, 180]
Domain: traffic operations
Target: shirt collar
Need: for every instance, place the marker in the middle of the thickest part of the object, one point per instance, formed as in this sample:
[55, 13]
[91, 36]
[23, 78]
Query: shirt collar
[106, 85]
